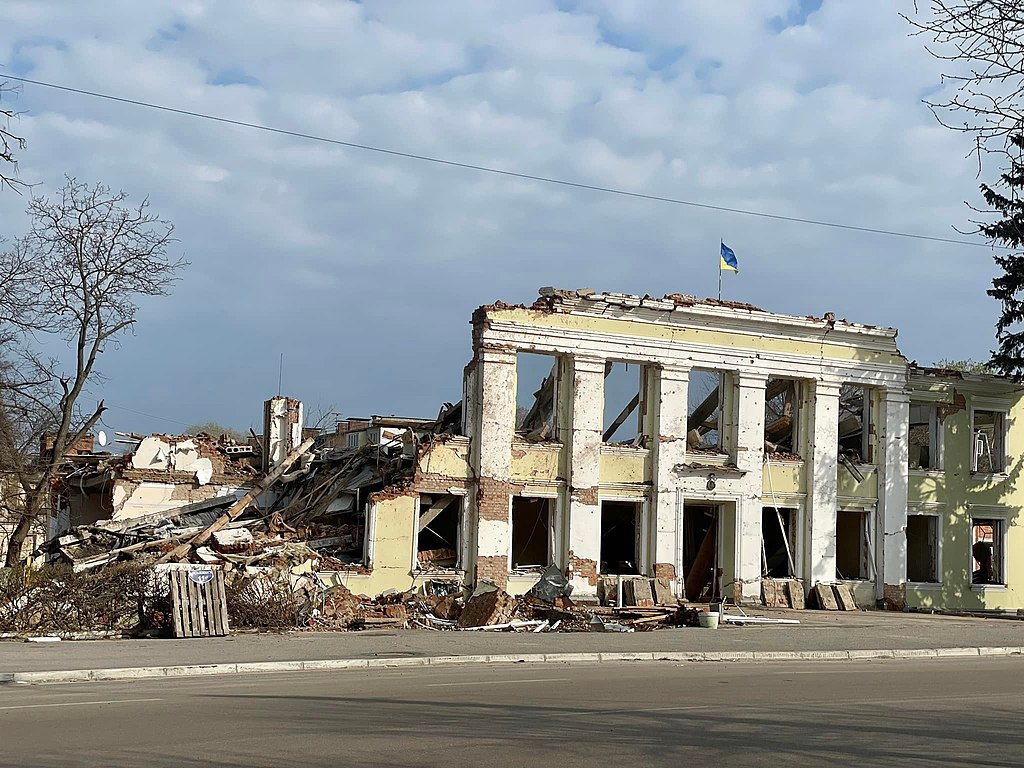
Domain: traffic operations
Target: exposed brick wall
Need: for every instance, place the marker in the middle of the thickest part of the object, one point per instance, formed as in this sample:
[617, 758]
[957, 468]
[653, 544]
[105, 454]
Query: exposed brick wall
[895, 597]
[585, 496]
[494, 569]
[492, 498]
[583, 568]
[664, 571]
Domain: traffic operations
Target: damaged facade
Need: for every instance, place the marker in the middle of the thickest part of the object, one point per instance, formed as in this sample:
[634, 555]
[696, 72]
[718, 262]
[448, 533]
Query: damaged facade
[739, 447]
[721, 450]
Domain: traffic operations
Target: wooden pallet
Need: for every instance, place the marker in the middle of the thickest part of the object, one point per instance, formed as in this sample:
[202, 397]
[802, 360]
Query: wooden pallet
[198, 602]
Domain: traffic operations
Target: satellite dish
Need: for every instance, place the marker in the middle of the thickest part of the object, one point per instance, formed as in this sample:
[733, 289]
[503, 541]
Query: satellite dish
[102, 437]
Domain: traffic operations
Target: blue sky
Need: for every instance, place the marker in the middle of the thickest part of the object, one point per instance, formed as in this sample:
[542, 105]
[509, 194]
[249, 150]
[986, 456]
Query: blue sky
[364, 270]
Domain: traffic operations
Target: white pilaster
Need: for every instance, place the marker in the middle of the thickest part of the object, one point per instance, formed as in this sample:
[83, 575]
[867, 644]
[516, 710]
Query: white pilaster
[497, 377]
[822, 484]
[669, 449]
[585, 471]
[893, 481]
[750, 391]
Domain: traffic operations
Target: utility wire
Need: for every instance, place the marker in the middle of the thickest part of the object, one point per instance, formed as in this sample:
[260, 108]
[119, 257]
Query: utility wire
[148, 415]
[498, 171]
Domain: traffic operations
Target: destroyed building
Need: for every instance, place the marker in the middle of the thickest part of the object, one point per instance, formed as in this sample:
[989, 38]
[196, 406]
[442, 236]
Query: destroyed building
[727, 451]
[737, 446]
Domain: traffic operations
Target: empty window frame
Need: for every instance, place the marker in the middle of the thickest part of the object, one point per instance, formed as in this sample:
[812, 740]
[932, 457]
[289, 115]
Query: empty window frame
[778, 542]
[988, 564]
[531, 533]
[439, 532]
[855, 428]
[536, 396]
[782, 400]
[923, 549]
[925, 446]
[620, 537]
[853, 545]
[988, 446]
[625, 403]
[705, 396]
[701, 552]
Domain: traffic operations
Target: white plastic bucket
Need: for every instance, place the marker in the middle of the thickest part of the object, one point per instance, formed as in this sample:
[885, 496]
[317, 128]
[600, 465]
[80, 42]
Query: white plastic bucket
[708, 620]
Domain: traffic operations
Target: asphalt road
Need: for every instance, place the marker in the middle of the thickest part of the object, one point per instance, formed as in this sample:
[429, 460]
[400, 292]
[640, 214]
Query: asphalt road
[902, 712]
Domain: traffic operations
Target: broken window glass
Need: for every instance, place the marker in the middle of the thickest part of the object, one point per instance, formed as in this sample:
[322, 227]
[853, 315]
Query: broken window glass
[853, 546]
[439, 531]
[625, 406]
[620, 537]
[778, 550]
[987, 551]
[922, 549]
[855, 422]
[781, 414]
[536, 396]
[988, 453]
[531, 533]
[925, 435]
[704, 409]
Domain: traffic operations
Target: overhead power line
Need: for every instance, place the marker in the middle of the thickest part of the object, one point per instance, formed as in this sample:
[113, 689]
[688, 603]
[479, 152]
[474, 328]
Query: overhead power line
[497, 171]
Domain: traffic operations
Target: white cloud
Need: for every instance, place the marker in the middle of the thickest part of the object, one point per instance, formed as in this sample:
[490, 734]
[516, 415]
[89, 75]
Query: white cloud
[379, 259]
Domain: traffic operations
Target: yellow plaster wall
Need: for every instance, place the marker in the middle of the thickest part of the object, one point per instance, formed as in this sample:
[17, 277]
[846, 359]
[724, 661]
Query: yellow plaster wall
[867, 488]
[692, 335]
[394, 520]
[619, 466]
[956, 489]
[532, 463]
[785, 477]
[447, 459]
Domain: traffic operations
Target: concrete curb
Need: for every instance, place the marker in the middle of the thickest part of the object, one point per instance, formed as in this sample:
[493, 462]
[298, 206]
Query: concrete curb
[198, 670]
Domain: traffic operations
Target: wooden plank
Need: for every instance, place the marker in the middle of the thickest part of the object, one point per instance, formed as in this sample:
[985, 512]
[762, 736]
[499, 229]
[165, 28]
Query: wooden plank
[621, 418]
[844, 597]
[439, 506]
[795, 591]
[175, 604]
[826, 597]
[218, 605]
[182, 550]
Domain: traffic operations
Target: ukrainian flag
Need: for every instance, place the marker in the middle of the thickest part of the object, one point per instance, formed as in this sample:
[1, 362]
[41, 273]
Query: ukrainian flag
[729, 259]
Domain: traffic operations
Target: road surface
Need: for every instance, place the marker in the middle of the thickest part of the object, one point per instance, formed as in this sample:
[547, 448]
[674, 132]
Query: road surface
[892, 713]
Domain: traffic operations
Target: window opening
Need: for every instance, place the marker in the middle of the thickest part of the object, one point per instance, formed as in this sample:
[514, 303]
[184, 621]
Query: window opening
[777, 550]
[536, 396]
[852, 545]
[987, 551]
[438, 537]
[531, 533]
[781, 412]
[988, 453]
[700, 553]
[924, 436]
[855, 422]
[704, 409]
[922, 549]
[620, 537]
[625, 407]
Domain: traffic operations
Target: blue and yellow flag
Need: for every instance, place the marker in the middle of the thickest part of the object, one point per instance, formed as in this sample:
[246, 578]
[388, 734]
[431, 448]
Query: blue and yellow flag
[729, 259]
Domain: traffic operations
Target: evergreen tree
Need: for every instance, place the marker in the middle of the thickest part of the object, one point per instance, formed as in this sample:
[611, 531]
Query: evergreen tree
[1008, 288]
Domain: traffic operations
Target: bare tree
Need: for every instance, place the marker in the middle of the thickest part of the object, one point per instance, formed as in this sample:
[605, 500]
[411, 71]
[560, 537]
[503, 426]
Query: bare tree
[86, 260]
[10, 142]
[983, 43]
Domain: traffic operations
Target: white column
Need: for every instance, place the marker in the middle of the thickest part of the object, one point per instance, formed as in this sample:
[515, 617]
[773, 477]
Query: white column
[822, 484]
[584, 516]
[669, 449]
[750, 392]
[497, 413]
[893, 481]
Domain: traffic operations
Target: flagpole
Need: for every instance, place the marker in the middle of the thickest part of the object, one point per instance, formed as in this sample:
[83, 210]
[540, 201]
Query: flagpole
[720, 273]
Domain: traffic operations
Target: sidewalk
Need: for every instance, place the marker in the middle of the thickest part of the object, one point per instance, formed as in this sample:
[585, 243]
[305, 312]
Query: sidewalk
[825, 633]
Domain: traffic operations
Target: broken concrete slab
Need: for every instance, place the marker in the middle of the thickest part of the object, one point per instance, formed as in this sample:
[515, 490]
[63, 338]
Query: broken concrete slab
[826, 597]
[486, 608]
[844, 597]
